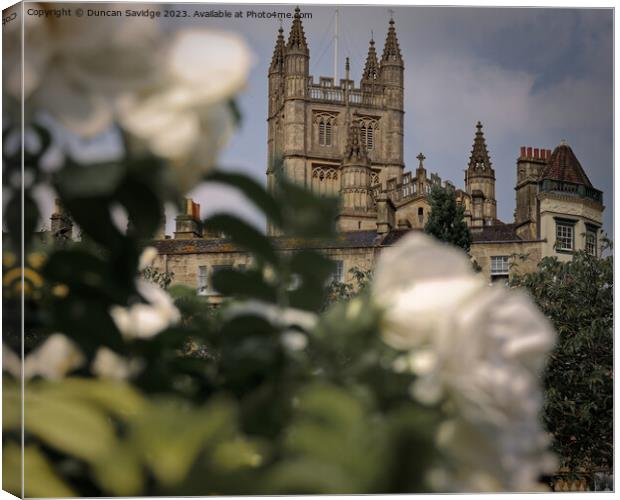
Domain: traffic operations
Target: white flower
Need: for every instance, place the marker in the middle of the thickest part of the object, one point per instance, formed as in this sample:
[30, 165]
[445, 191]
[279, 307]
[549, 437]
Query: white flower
[75, 67]
[479, 349]
[53, 359]
[278, 316]
[170, 92]
[147, 257]
[108, 364]
[186, 117]
[145, 320]
[294, 340]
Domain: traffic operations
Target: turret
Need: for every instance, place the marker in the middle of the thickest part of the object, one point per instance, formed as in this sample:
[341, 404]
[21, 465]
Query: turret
[296, 60]
[391, 73]
[480, 182]
[292, 126]
[392, 69]
[355, 192]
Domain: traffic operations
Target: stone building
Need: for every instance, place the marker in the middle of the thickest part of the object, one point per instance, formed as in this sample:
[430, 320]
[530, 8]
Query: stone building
[346, 138]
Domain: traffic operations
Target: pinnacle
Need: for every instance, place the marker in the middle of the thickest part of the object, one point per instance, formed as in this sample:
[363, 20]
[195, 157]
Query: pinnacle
[479, 157]
[355, 151]
[371, 69]
[391, 50]
[297, 38]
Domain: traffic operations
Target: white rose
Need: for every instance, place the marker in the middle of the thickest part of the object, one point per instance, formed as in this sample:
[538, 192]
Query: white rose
[74, 68]
[108, 364]
[186, 118]
[145, 320]
[481, 350]
[53, 359]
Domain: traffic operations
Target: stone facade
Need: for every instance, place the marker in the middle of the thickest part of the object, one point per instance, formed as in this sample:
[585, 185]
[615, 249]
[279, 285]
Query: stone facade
[345, 139]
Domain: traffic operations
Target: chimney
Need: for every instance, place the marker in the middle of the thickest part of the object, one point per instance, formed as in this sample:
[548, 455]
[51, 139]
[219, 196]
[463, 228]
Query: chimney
[529, 152]
[188, 224]
[522, 151]
[61, 223]
[385, 214]
[536, 151]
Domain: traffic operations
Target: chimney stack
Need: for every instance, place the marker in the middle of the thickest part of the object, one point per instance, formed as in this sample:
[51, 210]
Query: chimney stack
[188, 224]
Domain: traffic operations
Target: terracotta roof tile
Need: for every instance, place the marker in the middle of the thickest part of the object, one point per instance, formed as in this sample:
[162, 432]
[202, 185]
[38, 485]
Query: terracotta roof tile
[564, 166]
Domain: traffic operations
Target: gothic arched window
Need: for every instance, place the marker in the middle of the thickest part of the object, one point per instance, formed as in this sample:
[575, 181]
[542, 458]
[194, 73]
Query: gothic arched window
[328, 133]
[367, 132]
[370, 139]
[325, 123]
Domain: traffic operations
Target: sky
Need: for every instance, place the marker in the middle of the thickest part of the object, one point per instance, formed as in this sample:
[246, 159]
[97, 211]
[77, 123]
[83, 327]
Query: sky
[532, 76]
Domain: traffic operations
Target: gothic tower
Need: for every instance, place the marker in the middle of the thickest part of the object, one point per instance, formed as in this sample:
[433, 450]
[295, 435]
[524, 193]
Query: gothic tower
[480, 183]
[309, 121]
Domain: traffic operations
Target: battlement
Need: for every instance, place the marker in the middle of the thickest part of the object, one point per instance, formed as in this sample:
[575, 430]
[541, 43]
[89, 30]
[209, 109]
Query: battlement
[326, 91]
[534, 154]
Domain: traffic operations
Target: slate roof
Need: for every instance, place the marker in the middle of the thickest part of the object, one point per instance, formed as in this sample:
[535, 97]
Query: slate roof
[354, 239]
[564, 166]
[496, 232]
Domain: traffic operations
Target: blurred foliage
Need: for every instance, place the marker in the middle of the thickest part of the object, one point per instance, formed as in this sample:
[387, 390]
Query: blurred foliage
[445, 221]
[346, 290]
[159, 278]
[261, 396]
[577, 296]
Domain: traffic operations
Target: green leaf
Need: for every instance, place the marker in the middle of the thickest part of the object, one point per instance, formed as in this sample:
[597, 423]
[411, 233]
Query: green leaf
[80, 181]
[120, 473]
[144, 209]
[170, 437]
[306, 214]
[11, 404]
[243, 284]
[245, 236]
[69, 425]
[254, 191]
[40, 479]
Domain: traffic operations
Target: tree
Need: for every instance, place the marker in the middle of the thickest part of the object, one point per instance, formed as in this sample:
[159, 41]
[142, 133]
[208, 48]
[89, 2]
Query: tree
[445, 221]
[577, 296]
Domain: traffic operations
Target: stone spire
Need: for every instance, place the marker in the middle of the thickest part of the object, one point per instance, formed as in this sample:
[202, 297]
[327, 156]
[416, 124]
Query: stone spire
[297, 38]
[371, 70]
[277, 61]
[355, 152]
[391, 49]
[479, 159]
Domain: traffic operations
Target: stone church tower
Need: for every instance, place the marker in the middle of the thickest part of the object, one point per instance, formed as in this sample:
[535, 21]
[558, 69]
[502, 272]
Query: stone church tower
[310, 123]
[480, 183]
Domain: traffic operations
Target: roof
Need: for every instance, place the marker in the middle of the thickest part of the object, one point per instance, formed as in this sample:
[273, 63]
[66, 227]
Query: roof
[353, 239]
[496, 232]
[564, 166]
